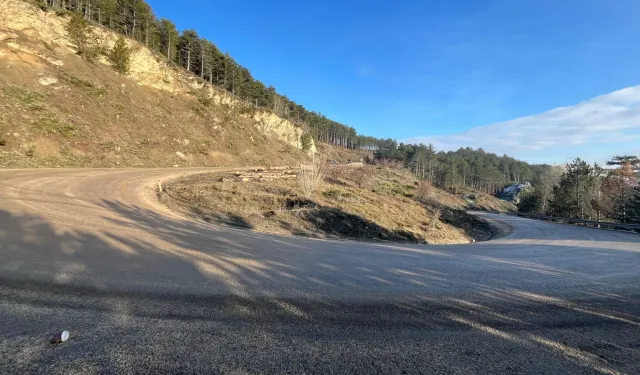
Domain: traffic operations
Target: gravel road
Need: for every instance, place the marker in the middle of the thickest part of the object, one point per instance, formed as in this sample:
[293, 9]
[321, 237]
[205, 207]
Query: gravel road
[144, 290]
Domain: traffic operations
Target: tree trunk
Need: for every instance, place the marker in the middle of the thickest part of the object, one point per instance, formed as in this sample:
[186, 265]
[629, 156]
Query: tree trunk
[202, 60]
[188, 59]
[133, 28]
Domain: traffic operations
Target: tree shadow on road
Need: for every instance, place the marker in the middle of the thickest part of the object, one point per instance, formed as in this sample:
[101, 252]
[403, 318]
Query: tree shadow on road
[144, 265]
[300, 217]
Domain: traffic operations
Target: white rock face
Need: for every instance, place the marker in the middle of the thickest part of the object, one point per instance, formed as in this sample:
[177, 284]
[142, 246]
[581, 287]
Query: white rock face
[47, 81]
[284, 129]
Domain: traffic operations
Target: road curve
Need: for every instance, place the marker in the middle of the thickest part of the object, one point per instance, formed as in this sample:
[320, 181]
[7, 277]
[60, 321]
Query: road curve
[144, 290]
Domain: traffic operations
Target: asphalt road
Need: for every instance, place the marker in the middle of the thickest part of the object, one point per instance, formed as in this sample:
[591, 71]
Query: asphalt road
[143, 290]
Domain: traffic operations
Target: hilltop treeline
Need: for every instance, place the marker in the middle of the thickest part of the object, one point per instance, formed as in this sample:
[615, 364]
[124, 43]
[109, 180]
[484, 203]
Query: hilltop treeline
[458, 170]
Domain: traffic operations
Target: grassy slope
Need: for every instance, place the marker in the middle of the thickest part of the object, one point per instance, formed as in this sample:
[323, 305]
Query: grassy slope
[486, 202]
[357, 203]
[342, 155]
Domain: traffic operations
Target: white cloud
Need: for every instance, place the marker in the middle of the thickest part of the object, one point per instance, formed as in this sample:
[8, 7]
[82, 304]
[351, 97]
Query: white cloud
[608, 122]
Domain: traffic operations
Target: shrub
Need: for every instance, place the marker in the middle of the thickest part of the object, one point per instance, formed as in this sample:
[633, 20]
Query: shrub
[311, 175]
[306, 141]
[426, 195]
[120, 56]
[3, 141]
[423, 191]
[36, 107]
[29, 150]
[43, 5]
[205, 100]
[333, 174]
[22, 94]
[362, 177]
[55, 126]
[89, 87]
[435, 220]
[201, 112]
[246, 109]
[339, 195]
[202, 96]
[331, 193]
[75, 80]
[81, 34]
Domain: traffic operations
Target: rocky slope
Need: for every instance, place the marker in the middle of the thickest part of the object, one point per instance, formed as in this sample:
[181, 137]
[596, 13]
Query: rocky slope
[56, 109]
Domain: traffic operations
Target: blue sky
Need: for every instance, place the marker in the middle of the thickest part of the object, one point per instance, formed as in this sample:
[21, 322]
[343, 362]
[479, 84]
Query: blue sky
[450, 72]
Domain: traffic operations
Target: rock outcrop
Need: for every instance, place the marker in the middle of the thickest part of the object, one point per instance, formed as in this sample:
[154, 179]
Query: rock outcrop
[268, 122]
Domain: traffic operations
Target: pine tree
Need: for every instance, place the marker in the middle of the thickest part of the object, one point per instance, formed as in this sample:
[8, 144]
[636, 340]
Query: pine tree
[627, 161]
[577, 194]
[120, 56]
[189, 50]
[81, 34]
[619, 185]
[107, 11]
[530, 201]
[168, 39]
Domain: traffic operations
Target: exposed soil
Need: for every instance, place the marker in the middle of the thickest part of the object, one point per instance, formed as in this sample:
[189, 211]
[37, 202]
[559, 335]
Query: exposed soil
[58, 110]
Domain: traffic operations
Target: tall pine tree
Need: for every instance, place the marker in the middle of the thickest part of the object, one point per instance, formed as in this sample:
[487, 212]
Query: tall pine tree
[577, 194]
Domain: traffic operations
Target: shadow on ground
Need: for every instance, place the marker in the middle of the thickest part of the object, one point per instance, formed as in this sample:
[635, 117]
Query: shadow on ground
[150, 291]
[319, 221]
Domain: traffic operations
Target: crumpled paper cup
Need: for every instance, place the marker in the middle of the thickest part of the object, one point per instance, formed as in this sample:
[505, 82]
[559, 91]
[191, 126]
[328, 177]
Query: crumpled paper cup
[59, 337]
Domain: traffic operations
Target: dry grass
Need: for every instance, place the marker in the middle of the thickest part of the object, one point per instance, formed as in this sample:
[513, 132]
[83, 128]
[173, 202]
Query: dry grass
[384, 207]
[53, 125]
[487, 202]
[342, 155]
[22, 94]
[91, 106]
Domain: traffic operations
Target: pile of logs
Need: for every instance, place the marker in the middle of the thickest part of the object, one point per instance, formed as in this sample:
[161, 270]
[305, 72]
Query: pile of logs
[265, 174]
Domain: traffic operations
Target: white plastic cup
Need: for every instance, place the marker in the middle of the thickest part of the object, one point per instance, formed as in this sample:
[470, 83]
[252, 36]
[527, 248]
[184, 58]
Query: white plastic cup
[60, 337]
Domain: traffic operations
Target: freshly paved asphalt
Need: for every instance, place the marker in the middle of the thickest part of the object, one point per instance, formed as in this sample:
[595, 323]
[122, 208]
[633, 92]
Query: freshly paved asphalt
[143, 290]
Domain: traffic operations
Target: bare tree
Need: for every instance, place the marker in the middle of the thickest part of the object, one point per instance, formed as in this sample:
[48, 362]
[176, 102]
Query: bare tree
[278, 105]
[311, 175]
[202, 58]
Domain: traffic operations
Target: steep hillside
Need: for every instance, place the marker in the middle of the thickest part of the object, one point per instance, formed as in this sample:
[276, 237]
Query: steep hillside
[56, 109]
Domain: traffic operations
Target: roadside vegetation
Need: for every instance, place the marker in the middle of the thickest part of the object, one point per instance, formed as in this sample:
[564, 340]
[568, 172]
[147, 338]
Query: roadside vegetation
[588, 192]
[354, 202]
